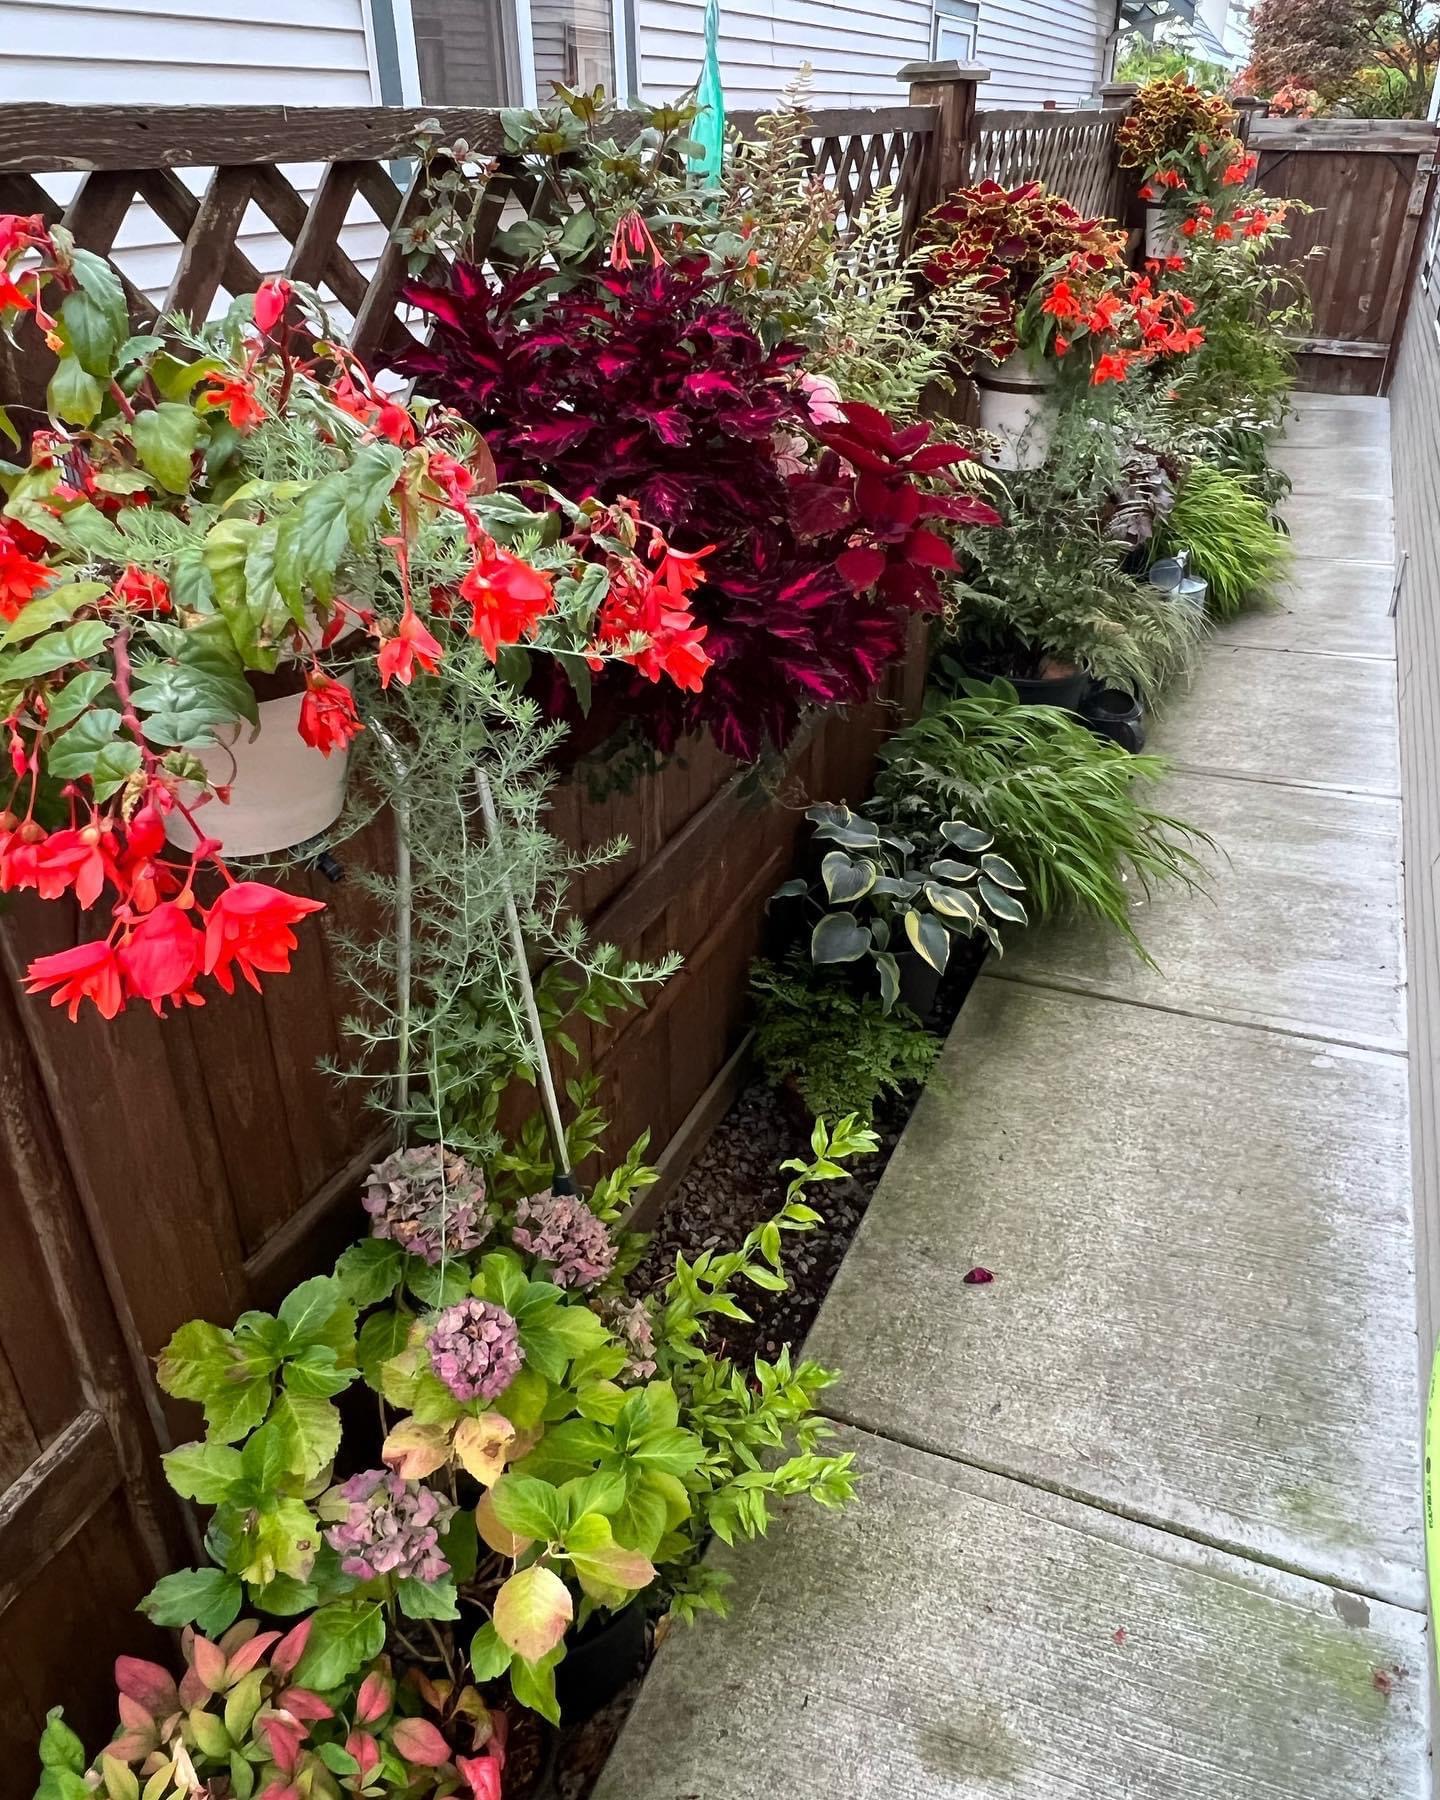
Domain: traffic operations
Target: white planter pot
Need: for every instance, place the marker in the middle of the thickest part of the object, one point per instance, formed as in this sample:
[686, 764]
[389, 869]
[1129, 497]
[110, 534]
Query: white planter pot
[1016, 406]
[281, 790]
[1162, 233]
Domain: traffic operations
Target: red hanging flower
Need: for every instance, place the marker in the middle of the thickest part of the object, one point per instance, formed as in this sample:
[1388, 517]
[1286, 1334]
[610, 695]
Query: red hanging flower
[248, 929]
[509, 598]
[412, 644]
[143, 590]
[271, 299]
[160, 956]
[238, 398]
[1110, 367]
[20, 576]
[328, 719]
[88, 972]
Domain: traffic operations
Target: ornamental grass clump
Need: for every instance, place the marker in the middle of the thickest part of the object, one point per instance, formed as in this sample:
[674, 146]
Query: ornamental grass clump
[1229, 539]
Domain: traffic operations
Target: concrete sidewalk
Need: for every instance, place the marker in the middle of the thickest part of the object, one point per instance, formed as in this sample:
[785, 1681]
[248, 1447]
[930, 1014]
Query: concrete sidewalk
[1142, 1517]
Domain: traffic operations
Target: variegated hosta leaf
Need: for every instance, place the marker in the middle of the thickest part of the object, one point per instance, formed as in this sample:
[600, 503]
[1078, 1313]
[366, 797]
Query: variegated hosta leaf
[929, 938]
[950, 870]
[953, 903]
[966, 837]
[838, 938]
[1001, 872]
[846, 878]
[895, 887]
[1003, 905]
[889, 972]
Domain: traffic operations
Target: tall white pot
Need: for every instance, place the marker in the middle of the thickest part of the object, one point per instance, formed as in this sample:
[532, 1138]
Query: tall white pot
[281, 790]
[1017, 404]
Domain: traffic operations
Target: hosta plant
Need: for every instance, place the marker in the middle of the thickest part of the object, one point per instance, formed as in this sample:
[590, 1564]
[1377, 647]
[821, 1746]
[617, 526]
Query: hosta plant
[881, 893]
[185, 523]
[263, 1713]
[552, 1446]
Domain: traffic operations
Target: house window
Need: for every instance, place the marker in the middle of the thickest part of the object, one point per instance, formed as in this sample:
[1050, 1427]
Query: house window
[467, 51]
[574, 44]
[956, 23]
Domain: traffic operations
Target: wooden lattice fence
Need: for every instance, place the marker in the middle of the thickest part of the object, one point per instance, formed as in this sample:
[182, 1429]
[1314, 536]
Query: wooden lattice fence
[1073, 153]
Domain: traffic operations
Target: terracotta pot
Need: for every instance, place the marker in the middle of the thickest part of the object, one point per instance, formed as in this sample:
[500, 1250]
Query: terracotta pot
[282, 791]
[1016, 406]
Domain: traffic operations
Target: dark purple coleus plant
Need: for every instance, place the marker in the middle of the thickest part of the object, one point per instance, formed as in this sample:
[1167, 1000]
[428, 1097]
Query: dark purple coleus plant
[643, 385]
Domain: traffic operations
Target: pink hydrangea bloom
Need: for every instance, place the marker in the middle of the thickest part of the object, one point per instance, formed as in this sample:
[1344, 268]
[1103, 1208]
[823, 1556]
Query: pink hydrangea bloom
[389, 1527]
[475, 1349]
[561, 1230]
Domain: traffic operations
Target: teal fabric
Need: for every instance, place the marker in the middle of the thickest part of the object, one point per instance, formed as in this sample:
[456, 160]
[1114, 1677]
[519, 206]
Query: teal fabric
[708, 130]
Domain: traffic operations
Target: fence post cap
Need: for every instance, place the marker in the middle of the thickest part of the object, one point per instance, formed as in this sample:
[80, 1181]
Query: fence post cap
[1119, 90]
[1249, 103]
[932, 73]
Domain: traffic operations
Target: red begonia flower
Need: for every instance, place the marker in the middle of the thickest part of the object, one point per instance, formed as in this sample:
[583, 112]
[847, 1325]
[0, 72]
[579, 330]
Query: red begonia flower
[508, 598]
[248, 929]
[88, 972]
[410, 645]
[328, 719]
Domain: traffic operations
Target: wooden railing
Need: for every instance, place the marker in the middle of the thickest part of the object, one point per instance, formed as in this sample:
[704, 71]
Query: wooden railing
[1072, 153]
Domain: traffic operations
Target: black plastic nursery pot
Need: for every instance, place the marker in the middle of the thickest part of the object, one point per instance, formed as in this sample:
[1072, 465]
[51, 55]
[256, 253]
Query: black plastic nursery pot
[1065, 691]
[602, 1658]
[1116, 714]
[919, 982]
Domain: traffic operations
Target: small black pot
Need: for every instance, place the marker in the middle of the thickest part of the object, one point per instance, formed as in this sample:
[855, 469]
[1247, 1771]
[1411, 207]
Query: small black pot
[603, 1657]
[1064, 691]
[1116, 714]
[919, 984]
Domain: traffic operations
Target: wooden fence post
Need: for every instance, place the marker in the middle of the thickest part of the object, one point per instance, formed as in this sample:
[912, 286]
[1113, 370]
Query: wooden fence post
[1248, 108]
[951, 87]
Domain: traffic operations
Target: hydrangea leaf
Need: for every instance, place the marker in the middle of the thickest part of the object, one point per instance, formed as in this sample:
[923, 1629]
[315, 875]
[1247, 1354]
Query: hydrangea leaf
[531, 1508]
[60, 1747]
[317, 1312]
[282, 1540]
[489, 1657]
[316, 1371]
[344, 1636]
[308, 1429]
[483, 1443]
[209, 1598]
[533, 1683]
[428, 1599]
[640, 1523]
[438, 1285]
[533, 1610]
[383, 1337]
[569, 1449]
[500, 1538]
[209, 1473]
[414, 1449]
[370, 1271]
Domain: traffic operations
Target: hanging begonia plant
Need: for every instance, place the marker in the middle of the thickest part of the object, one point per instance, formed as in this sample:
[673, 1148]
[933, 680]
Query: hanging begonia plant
[641, 386]
[186, 522]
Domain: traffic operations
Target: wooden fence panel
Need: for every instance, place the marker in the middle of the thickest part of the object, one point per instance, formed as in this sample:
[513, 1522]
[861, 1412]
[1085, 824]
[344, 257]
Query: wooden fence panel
[160, 1170]
[1368, 183]
[1073, 153]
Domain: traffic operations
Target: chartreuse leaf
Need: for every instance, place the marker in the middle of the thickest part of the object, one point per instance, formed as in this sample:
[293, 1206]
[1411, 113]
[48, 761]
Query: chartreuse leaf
[533, 1683]
[532, 1612]
[370, 1271]
[383, 1336]
[60, 1747]
[196, 1362]
[209, 1473]
[317, 1312]
[489, 1655]
[308, 1430]
[209, 1598]
[530, 1508]
[345, 1635]
[607, 1571]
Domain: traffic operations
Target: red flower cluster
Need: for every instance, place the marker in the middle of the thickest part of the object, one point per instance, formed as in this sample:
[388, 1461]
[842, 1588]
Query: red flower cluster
[655, 602]
[21, 577]
[1245, 221]
[156, 950]
[507, 597]
[1130, 325]
[328, 719]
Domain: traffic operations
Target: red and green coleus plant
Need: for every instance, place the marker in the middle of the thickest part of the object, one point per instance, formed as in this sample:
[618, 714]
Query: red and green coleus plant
[1008, 242]
[247, 1720]
[1182, 140]
[553, 1446]
[185, 522]
[642, 384]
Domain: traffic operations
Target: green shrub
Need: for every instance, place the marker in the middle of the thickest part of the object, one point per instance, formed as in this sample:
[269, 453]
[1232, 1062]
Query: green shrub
[1065, 807]
[841, 1049]
[1229, 538]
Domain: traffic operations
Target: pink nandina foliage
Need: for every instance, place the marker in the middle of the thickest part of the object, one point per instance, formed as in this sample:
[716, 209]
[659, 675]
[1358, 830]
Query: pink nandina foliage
[646, 386]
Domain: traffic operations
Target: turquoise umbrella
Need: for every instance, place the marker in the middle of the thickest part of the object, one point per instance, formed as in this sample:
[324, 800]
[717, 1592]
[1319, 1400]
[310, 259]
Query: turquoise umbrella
[709, 129]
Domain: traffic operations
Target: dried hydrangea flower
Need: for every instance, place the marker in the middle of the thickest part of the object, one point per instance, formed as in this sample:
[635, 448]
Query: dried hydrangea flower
[388, 1527]
[429, 1201]
[561, 1230]
[632, 1325]
[475, 1349]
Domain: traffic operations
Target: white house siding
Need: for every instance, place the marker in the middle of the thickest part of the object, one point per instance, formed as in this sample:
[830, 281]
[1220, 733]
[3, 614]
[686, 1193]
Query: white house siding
[1039, 50]
[853, 50]
[1036, 50]
[193, 53]
[186, 52]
